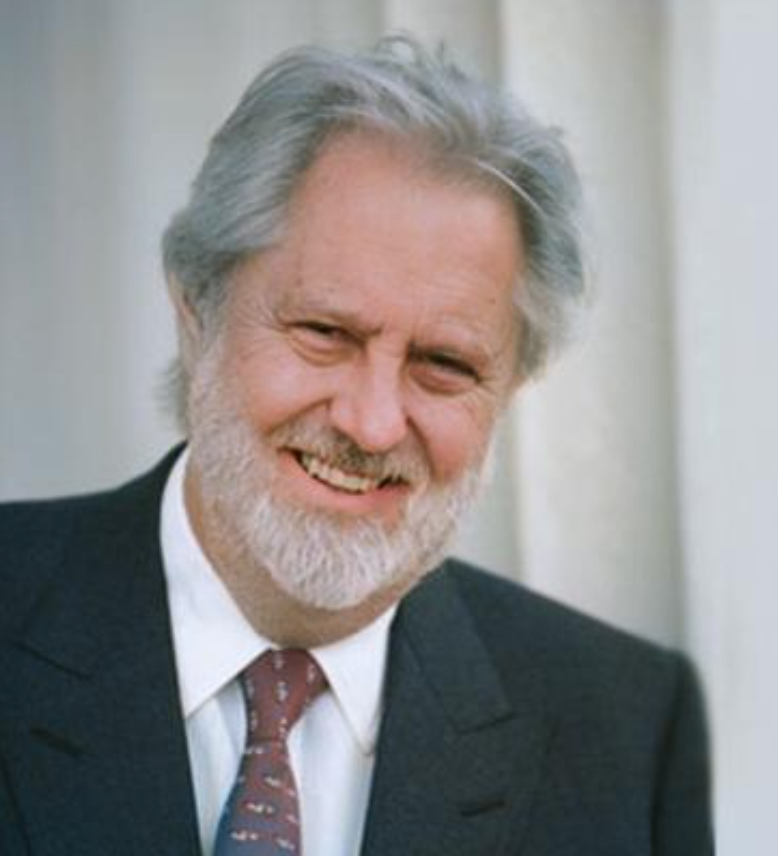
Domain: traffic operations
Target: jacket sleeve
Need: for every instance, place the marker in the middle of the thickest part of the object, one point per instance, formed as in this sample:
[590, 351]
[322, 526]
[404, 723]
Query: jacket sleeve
[682, 815]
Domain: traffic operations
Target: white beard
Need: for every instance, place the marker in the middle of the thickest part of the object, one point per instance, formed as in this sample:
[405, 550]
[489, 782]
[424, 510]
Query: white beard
[319, 558]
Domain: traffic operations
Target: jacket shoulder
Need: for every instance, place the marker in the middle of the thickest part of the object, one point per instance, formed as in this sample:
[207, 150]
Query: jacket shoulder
[40, 539]
[33, 537]
[508, 610]
[584, 661]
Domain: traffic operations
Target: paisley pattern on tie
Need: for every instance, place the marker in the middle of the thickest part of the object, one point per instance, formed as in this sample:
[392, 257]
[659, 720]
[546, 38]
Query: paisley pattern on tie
[262, 814]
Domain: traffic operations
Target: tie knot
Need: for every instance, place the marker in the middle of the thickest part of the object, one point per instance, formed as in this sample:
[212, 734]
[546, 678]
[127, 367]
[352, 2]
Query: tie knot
[278, 686]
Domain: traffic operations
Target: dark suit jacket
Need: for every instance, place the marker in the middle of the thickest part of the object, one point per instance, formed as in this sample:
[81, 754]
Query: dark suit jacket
[512, 725]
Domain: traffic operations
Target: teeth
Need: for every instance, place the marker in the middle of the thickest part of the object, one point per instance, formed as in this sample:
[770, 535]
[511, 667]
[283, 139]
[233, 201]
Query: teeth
[335, 477]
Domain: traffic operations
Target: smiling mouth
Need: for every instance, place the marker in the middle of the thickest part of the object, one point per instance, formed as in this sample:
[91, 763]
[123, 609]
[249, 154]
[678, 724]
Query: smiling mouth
[338, 479]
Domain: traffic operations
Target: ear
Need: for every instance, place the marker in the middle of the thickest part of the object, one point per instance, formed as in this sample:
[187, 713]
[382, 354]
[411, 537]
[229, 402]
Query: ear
[188, 324]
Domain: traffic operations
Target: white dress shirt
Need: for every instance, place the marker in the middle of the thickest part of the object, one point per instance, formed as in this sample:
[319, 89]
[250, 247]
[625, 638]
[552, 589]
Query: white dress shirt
[332, 747]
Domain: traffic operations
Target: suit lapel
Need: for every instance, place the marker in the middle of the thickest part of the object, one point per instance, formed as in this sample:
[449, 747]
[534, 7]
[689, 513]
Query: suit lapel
[458, 762]
[96, 748]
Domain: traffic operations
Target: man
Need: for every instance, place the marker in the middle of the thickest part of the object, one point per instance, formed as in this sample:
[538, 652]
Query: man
[377, 252]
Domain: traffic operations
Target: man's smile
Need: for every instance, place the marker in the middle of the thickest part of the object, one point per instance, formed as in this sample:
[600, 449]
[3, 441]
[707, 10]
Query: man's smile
[321, 481]
[334, 476]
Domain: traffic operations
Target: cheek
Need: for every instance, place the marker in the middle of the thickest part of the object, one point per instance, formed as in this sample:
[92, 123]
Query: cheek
[455, 436]
[275, 388]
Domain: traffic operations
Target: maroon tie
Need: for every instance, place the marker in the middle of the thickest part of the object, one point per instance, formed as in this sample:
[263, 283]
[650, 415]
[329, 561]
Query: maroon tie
[262, 814]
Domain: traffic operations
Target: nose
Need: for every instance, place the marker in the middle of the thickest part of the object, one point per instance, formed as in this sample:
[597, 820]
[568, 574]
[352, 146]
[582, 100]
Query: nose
[369, 407]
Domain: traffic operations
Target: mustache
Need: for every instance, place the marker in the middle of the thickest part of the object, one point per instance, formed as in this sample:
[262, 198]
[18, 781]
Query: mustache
[337, 449]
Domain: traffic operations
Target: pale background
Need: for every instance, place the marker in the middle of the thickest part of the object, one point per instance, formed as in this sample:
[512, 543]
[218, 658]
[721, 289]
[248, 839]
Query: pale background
[638, 480]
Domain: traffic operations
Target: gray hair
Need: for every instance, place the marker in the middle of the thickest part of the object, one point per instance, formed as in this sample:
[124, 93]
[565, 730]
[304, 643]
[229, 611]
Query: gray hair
[466, 128]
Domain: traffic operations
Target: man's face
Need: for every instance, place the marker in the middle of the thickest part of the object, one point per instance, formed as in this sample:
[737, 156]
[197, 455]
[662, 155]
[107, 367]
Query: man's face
[361, 364]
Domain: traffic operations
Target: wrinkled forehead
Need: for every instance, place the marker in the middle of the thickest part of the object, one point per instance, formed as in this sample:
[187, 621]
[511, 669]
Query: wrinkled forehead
[421, 159]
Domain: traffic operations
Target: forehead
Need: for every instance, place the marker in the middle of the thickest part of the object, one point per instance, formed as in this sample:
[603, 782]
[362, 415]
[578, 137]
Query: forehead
[358, 175]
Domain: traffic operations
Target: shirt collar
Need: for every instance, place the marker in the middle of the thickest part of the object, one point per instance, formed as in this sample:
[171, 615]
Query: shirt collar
[355, 668]
[214, 642]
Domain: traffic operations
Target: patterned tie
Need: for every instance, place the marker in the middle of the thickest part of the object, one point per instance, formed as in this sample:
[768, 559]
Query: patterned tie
[262, 815]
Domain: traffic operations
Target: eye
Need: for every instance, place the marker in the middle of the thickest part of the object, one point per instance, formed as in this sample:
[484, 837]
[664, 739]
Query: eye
[452, 365]
[321, 328]
[445, 373]
[321, 333]
[320, 342]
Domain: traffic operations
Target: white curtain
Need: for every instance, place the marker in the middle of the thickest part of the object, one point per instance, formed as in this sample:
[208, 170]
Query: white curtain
[638, 477]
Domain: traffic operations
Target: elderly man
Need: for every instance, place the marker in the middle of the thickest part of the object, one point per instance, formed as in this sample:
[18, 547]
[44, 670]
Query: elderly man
[258, 647]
